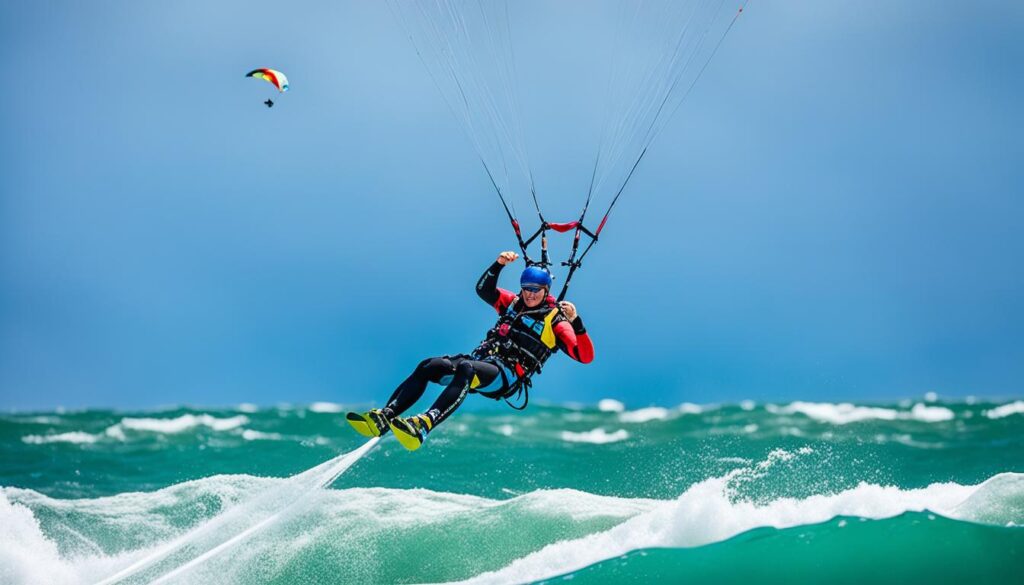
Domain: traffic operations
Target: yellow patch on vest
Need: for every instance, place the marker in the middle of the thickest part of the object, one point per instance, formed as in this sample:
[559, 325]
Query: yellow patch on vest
[475, 382]
[547, 336]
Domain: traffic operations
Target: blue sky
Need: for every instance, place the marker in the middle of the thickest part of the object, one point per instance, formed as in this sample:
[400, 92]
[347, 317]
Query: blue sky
[834, 213]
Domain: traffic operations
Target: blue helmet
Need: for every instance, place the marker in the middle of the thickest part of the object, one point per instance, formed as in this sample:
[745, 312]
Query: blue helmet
[535, 276]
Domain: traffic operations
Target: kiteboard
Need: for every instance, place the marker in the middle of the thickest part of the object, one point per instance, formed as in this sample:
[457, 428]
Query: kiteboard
[363, 424]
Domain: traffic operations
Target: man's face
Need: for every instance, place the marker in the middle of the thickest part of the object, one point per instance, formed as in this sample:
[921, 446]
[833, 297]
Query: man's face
[533, 295]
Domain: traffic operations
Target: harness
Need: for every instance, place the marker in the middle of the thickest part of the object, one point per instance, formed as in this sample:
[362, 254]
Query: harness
[521, 340]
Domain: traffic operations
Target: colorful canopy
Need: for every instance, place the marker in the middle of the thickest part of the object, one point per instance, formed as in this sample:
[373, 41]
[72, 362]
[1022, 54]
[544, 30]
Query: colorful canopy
[271, 75]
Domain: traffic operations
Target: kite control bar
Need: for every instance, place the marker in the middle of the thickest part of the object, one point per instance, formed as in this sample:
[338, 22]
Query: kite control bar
[573, 262]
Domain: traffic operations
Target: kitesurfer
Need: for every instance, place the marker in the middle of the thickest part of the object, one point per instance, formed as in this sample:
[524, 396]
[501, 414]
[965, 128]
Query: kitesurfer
[269, 103]
[531, 327]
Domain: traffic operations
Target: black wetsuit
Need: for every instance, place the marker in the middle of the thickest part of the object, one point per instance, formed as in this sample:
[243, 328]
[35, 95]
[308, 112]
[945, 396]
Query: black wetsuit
[455, 371]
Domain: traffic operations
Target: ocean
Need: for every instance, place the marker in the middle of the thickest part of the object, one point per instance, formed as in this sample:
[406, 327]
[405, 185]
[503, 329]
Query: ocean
[921, 491]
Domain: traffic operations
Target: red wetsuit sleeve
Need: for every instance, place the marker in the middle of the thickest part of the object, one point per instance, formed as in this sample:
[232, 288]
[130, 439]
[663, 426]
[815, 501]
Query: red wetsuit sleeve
[574, 340]
[505, 298]
[487, 289]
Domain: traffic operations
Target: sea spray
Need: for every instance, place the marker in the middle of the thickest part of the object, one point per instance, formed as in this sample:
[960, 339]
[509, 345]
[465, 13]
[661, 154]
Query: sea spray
[233, 526]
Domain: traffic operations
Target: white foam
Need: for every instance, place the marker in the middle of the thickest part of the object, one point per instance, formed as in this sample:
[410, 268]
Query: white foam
[925, 413]
[845, 413]
[1006, 410]
[149, 425]
[251, 435]
[597, 436]
[326, 407]
[247, 408]
[747, 405]
[505, 429]
[690, 408]
[26, 555]
[182, 423]
[610, 405]
[930, 396]
[706, 513]
[644, 415]
[839, 414]
[77, 437]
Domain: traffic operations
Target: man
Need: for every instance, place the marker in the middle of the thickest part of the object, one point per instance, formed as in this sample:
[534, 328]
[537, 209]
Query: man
[531, 327]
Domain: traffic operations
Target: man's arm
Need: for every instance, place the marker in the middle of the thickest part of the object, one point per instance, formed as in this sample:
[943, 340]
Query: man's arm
[487, 287]
[573, 339]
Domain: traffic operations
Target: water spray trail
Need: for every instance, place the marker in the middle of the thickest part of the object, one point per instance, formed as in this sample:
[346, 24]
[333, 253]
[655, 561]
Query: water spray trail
[316, 478]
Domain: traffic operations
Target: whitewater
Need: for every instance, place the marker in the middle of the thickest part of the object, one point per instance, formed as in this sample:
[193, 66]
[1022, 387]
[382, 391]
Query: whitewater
[610, 492]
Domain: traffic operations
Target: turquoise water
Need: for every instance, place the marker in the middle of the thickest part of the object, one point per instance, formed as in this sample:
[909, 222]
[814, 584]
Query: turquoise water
[912, 492]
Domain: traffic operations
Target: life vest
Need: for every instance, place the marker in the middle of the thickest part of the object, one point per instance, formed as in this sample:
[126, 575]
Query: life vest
[523, 338]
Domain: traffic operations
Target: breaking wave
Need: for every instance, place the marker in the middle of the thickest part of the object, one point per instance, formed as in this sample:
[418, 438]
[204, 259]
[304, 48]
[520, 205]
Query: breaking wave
[364, 533]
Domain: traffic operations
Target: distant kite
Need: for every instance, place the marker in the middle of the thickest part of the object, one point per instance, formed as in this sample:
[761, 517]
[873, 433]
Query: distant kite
[272, 76]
